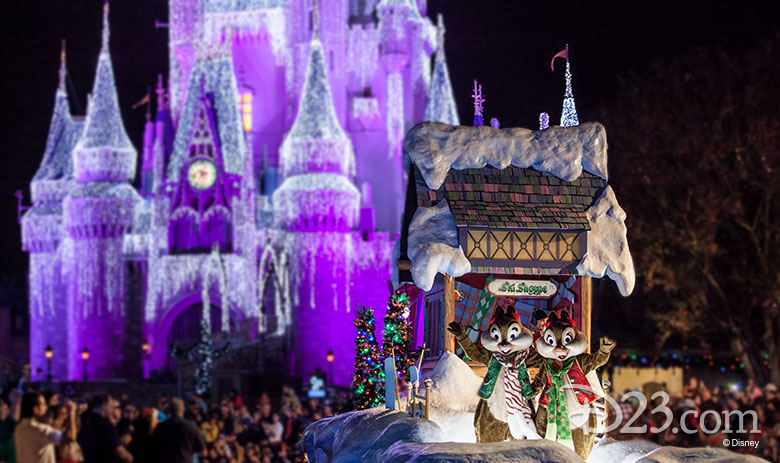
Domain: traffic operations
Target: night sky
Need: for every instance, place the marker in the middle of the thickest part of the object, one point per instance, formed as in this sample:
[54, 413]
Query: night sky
[507, 45]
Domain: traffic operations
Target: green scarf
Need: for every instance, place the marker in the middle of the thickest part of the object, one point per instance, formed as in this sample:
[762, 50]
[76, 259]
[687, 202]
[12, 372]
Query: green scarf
[558, 426]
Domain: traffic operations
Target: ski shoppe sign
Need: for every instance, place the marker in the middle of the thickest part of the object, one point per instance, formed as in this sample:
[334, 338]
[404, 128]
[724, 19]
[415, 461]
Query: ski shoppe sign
[522, 288]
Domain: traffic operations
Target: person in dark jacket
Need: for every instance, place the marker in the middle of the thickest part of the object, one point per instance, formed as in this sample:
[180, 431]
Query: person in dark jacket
[176, 440]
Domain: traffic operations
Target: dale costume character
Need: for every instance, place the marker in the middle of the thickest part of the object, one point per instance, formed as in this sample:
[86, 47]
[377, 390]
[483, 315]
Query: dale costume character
[568, 384]
[503, 411]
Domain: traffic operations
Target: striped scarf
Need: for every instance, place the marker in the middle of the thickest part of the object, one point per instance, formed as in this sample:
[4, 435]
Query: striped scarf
[517, 388]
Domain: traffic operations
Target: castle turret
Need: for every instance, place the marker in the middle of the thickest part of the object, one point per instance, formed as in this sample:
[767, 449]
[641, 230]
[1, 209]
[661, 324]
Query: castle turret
[42, 236]
[317, 161]
[98, 212]
[441, 100]
[318, 205]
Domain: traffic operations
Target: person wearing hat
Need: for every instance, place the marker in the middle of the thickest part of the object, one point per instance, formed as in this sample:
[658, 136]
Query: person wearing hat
[538, 320]
[770, 391]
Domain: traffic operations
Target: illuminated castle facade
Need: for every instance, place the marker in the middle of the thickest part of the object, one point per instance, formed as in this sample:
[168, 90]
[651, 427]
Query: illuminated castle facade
[266, 197]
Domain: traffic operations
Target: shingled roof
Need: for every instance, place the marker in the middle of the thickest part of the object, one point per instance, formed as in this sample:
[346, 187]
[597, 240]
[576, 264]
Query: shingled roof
[513, 197]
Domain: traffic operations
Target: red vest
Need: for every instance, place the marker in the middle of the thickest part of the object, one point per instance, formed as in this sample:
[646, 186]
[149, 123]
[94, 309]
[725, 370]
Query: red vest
[579, 382]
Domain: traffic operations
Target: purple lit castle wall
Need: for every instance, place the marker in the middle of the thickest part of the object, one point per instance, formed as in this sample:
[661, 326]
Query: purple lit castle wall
[271, 187]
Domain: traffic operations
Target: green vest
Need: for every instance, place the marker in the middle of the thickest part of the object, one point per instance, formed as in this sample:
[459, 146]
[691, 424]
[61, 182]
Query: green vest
[494, 368]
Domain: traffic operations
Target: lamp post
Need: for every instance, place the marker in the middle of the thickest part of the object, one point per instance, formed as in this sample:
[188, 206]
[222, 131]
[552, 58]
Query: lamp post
[49, 355]
[146, 348]
[330, 366]
[85, 356]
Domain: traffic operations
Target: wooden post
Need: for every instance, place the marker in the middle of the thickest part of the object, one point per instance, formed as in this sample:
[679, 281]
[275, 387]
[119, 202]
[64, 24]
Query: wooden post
[449, 312]
[428, 384]
[585, 295]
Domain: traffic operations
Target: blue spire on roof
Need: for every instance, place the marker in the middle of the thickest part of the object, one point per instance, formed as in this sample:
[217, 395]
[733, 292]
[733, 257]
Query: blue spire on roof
[441, 100]
[57, 160]
[104, 127]
[569, 114]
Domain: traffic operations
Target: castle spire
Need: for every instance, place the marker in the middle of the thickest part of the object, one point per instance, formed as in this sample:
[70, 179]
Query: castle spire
[104, 127]
[61, 86]
[441, 105]
[316, 121]
[56, 169]
[315, 19]
[106, 32]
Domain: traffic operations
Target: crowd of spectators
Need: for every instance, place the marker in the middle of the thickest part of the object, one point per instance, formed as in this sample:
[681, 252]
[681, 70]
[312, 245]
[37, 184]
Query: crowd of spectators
[741, 419]
[47, 428]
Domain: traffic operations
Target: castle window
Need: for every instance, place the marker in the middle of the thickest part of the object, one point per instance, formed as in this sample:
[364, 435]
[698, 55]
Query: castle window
[245, 106]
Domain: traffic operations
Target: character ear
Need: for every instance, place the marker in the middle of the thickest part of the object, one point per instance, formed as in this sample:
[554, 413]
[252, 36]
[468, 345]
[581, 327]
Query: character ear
[553, 317]
[510, 309]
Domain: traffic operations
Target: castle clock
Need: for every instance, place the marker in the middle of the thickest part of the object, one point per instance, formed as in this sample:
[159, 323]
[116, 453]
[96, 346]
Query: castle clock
[202, 175]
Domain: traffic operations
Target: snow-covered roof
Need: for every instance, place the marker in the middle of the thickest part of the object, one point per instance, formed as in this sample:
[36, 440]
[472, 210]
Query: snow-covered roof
[104, 127]
[577, 156]
[213, 76]
[435, 148]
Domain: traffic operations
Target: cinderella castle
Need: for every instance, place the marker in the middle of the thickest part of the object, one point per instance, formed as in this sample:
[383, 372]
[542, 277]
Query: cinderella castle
[265, 200]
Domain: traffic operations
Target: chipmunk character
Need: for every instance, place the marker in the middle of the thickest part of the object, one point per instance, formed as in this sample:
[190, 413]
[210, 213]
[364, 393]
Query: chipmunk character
[503, 409]
[566, 411]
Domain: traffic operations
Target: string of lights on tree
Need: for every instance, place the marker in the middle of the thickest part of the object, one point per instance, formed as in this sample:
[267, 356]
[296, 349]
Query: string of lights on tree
[395, 336]
[202, 355]
[631, 359]
[369, 375]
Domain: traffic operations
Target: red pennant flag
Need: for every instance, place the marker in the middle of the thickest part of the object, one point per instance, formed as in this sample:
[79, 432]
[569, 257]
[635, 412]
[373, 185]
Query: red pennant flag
[142, 101]
[561, 54]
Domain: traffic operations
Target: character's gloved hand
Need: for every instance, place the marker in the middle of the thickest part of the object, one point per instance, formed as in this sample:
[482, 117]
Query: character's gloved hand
[606, 344]
[457, 329]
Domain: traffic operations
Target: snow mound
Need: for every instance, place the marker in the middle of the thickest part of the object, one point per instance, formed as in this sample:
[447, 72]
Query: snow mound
[641, 451]
[524, 451]
[454, 398]
[608, 251]
[378, 435]
[455, 385]
[433, 245]
[610, 450]
[696, 455]
[435, 148]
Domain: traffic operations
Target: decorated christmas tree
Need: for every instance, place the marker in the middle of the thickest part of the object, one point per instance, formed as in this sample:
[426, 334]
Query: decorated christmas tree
[395, 337]
[369, 376]
[202, 355]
